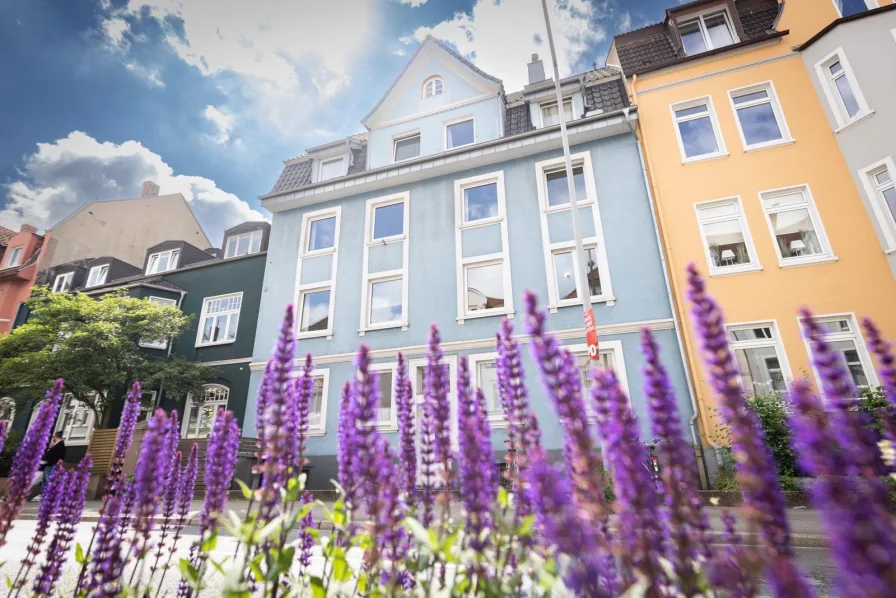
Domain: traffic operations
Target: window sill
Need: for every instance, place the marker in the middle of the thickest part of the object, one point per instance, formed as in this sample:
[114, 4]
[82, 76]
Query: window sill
[200, 346]
[386, 240]
[481, 222]
[318, 252]
[714, 272]
[704, 158]
[316, 433]
[855, 120]
[762, 146]
[609, 300]
[326, 333]
[827, 259]
[486, 314]
[888, 252]
[389, 326]
[565, 207]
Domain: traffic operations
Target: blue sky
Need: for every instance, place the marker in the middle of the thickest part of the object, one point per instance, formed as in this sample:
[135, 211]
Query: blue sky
[207, 97]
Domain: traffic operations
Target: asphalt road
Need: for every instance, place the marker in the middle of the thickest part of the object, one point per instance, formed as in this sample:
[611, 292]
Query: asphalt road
[815, 562]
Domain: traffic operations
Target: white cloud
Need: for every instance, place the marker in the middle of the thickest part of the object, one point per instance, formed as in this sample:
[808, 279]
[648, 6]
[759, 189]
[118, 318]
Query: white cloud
[222, 121]
[62, 175]
[500, 37]
[114, 29]
[413, 3]
[151, 75]
[625, 22]
[400, 52]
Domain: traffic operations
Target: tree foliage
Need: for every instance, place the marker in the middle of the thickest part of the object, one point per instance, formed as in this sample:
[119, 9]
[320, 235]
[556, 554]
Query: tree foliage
[94, 345]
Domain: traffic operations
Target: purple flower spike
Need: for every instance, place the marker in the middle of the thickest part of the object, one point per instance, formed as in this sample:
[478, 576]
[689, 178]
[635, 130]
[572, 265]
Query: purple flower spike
[125, 436]
[686, 522]
[365, 441]
[261, 403]
[406, 431]
[50, 501]
[734, 568]
[169, 506]
[70, 511]
[27, 460]
[304, 390]
[306, 540]
[763, 502]
[512, 390]
[636, 502]
[435, 387]
[220, 461]
[426, 494]
[564, 387]
[392, 540]
[149, 480]
[882, 349]
[344, 450]
[479, 485]
[3, 432]
[107, 562]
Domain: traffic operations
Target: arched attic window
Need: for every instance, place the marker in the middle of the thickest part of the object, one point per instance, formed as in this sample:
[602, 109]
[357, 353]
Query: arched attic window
[433, 87]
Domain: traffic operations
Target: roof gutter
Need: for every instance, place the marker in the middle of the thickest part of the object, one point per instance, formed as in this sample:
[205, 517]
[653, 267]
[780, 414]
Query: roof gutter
[842, 20]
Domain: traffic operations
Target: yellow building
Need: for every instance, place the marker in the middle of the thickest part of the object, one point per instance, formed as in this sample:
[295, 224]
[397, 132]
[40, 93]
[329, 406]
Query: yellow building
[750, 184]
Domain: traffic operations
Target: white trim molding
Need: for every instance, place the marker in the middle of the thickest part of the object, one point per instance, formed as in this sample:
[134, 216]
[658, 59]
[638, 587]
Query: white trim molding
[457, 121]
[497, 419]
[391, 424]
[705, 217]
[829, 83]
[771, 207]
[501, 258]
[160, 344]
[771, 340]
[229, 311]
[853, 334]
[368, 279]
[874, 189]
[710, 113]
[596, 242]
[771, 98]
[329, 285]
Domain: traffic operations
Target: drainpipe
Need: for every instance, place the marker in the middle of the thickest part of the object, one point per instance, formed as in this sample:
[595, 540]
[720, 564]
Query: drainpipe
[170, 347]
[692, 421]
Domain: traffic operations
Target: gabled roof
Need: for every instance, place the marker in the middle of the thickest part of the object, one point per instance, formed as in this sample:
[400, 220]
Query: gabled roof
[429, 40]
[5, 235]
[837, 22]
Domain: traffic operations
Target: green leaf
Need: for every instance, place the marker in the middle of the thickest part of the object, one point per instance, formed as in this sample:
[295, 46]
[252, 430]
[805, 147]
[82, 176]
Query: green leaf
[218, 567]
[341, 571]
[526, 526]
[79, 554]
[189, 572]
[503, 497]
[210, 543]
[247, 492]
[317, 588]
[420, 533]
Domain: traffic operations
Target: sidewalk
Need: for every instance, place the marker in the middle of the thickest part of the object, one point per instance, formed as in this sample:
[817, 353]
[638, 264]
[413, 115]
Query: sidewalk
[806, 527]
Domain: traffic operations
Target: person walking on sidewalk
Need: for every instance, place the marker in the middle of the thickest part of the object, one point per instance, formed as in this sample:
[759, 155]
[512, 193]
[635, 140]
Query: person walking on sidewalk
[54, 454]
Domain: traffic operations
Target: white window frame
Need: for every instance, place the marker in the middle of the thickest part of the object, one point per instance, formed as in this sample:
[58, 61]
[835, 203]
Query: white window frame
[251, 234]
[402, 137]
[392, 424]
[474, 361]
[323, 285]
[501, 257]
[97, 282]
[433, 79]
[855, 336]
[869, 4]
[542, 168]
[751, 266]
[773, 101]
[14, 258]
[455, 121]
[161, 344]
[548, 103]
[324, 374]
[777, 343]
[722, 150]
[827, 254]
[615, 346]
[833, 94]
[885, 219]
[173, 260]
[10, 403]
[367, 278]
[188, 408]
[60, 420]
[419, 399]
[700, 18]
[66, 282]
[204, 313]
[320, 168]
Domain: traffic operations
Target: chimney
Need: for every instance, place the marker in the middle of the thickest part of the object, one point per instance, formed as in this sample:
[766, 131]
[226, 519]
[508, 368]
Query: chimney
[536, 70]
[150, 189]
[27, 228]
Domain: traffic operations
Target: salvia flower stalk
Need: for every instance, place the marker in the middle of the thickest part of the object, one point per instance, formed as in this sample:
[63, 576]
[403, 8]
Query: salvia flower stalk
[3, 431]
[106, 566]
[883, 350]
[763, 501]
[479, 484]
[27, 459]
[186, 484]
[50, 501]
[345, 435]
[365, 438]
[407, 432]
[436, 385]
[306, 539]
[304, 392]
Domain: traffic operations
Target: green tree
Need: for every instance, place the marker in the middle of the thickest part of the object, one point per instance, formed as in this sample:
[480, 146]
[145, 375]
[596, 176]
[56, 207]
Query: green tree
[94, 345]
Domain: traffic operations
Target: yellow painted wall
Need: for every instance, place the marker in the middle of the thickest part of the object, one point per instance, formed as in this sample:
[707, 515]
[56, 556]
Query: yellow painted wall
[859, 282]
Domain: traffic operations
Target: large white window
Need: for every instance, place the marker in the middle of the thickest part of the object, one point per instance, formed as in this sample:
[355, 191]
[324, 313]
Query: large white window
[433, 87]
[726, 237]
[550, 114]
[15, 256]
[795, 226]
[760, 357]
[332, 168]
[851, 7]
[841, 89]
[162, 261]
[759, 117]
[63, 282]
[162, 343]
[243, 244]
[697, 130]
[880, 187]
[406, 147]
[708, 31]
[316, 295]
[841, 331]
[386, 415]
[384, 290]
[75, 422]
[317, 423]
[484, 375]
[459, 132]
[200, 413]
[97, 275]
[561, 261]
[483, 261]
[220, 320]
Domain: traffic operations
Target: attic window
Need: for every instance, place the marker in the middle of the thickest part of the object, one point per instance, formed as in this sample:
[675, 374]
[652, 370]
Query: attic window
[433, 87]
[97, 275]
[330, 169]
[15, 256]
[63, 282]
[706, 32]
[243, 244]
[163, 261]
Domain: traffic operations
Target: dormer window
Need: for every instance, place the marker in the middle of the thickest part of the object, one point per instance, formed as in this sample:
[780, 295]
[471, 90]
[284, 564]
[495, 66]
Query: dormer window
[162, 261]
[330, 169]
[707, 32]
[243, 244]
[63, 282]
[433, 87]
[550, 115]
[407, 147]
[97, 275]
[15, 256]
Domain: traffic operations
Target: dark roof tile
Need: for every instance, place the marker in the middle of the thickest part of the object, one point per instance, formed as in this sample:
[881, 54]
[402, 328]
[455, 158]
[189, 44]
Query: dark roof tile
[359, 159]
[757, 18]
[6, 234]
[517, 120]
[294, 175]
[606, 97]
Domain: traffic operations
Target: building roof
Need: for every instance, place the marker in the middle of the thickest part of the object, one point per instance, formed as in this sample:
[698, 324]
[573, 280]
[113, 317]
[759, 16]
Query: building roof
[657, 46]
[837, 22]
[5, 235]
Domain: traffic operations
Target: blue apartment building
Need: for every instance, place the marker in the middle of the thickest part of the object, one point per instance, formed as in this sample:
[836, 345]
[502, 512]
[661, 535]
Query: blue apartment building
[450, 206]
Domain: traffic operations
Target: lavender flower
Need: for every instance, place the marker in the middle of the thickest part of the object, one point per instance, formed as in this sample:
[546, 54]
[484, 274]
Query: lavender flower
[344, 451]
[406, 431]
[364, 436]
[306, 540]
[220, 461]
[763, 501]
[27, 459]
[261, 403]
[512, 391]
[149, 480]
[70, 510]
[685, 521]
[638, 514]
[427, 468]
[390, 535]
[49, 505]
[186, 482]
[734, 568]
[125, 436]
[435, 386]
[127, 506]
[304, 391]
[563, 385]
[479, 485]
[172, 479]
[882, 349]
[107, 562]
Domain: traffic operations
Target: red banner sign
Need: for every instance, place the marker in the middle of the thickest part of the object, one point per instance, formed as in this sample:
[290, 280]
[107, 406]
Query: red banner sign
[591, 335]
